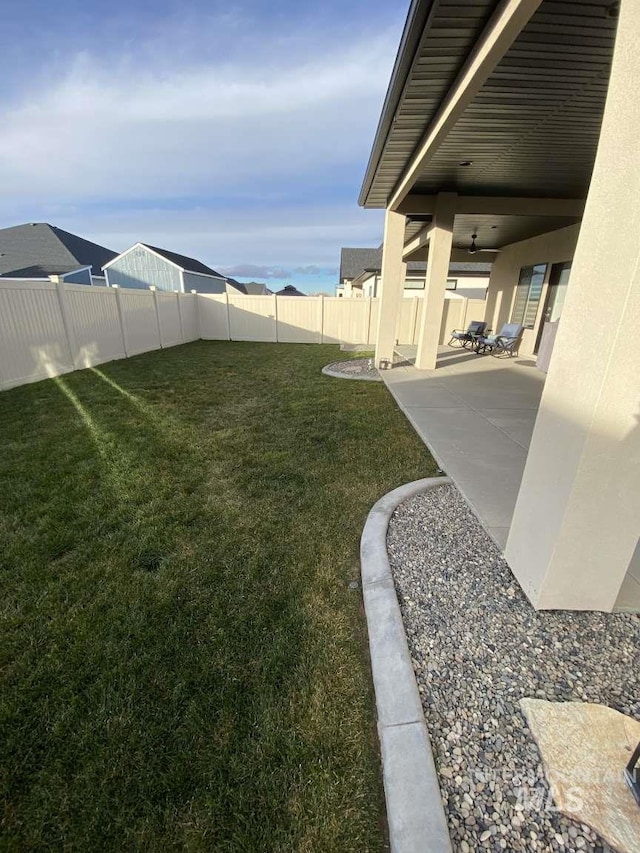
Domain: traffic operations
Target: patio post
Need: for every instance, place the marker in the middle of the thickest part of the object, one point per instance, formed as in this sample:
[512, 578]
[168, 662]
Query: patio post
[573, 542]
[440, 241]
[392, 284]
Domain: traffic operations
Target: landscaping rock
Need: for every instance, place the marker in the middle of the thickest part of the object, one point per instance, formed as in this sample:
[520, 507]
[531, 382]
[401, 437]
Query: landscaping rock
[355, 368]
[478, 647]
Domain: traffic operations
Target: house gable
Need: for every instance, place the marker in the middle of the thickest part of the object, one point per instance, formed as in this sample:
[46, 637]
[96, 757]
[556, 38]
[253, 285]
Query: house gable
[140, 267]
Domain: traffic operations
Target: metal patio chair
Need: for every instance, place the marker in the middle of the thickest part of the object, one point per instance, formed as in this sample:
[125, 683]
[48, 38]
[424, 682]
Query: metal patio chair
[505, 343]
[464, 337]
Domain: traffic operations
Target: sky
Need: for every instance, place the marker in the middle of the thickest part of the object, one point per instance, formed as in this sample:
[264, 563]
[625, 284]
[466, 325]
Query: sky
[236, 133]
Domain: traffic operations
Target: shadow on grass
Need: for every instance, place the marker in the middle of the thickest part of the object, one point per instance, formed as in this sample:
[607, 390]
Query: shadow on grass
[185, 661]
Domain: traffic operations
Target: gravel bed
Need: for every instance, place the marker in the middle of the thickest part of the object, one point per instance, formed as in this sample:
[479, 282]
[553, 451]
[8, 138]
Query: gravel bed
[355, 368]
[478, 647]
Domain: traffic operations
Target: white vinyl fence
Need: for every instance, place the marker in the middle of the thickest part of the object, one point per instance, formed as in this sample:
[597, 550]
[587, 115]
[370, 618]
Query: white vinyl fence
[288, 319]
[48, 328]
[51, 328]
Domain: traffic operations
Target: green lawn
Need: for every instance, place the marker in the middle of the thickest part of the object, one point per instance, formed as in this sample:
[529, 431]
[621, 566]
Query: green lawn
[184, 664]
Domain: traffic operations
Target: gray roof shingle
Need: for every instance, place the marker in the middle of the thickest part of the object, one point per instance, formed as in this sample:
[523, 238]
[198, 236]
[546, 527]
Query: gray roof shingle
[355, 261]
[256, 288]
[37, 250]
[184, 262]
[290, 290]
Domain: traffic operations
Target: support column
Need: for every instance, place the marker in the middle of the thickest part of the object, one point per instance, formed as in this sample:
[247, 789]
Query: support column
[577, 518]
[440, 241]
[392, 284]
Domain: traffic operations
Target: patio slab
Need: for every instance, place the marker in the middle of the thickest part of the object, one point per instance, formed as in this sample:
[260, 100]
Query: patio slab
[517, 424]
[476, 414]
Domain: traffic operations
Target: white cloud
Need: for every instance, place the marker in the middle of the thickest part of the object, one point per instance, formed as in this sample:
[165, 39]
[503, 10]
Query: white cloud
[255, 271]
[120, 131]
[285, 238]
[233, 160]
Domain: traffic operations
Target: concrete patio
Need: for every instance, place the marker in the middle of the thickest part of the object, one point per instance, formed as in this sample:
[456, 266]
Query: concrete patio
[476, 414]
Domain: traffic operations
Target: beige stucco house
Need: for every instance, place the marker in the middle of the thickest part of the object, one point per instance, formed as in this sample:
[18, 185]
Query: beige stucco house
[361, 276]
[514, 126]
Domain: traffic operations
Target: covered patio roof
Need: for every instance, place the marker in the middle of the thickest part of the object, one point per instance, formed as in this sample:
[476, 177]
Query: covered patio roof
[516, 121]
[494, 98]
[493, 231]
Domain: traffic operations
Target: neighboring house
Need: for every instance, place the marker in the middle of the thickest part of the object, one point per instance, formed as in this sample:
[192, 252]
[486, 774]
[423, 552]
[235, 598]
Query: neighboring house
[360, 275]
[142, 266]
[290, 290]
[234, 286]
[256, 288]
[38, 250]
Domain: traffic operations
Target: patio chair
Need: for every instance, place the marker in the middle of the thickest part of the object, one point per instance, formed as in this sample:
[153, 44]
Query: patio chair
[505, 343]
[463, 337]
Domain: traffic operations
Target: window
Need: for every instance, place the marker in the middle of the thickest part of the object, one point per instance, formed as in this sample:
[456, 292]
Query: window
[418, 283]
[528, 292]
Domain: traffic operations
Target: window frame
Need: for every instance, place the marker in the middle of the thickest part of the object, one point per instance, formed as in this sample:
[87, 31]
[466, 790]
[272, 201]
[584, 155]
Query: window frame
[533, 278]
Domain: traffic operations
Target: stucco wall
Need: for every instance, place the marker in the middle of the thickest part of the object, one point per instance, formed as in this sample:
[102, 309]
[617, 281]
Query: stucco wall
[554, 247]
[469, 286]
[370, 287]
[140, 268]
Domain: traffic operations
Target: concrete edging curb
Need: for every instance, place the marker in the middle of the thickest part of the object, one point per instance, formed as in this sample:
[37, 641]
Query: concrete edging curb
[337, 375]
[415, 814]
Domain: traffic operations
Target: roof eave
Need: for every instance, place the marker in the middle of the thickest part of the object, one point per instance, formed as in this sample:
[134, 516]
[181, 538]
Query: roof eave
[417, 18]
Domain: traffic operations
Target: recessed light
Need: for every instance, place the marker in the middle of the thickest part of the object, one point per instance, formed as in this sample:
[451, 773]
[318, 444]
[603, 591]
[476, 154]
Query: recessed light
[466, 163]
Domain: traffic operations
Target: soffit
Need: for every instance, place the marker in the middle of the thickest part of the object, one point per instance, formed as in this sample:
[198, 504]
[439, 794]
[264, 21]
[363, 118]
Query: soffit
[451, 32]
[532, 129]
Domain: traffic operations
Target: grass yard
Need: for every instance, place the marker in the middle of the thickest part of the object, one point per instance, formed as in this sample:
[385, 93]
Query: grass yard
[184, 665]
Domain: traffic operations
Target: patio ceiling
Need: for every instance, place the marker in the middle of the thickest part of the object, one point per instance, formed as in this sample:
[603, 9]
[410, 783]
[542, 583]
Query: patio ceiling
[533, 126]
[495, 231]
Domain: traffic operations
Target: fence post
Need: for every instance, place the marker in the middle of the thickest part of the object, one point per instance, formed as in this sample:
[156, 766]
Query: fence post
[227, 315]
[321, 325]
[123, 327]
[275, 313]
[465, 308]
[416, 328]
[367, 328]
[153, 290]
[194, 293]
[414, 321]
[179, 304]
[72, 344]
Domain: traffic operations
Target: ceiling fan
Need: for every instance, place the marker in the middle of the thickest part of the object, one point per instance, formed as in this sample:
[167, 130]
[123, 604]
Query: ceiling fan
[473, 248]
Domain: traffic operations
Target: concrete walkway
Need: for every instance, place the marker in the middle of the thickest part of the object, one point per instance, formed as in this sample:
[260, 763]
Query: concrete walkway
[476, 414]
